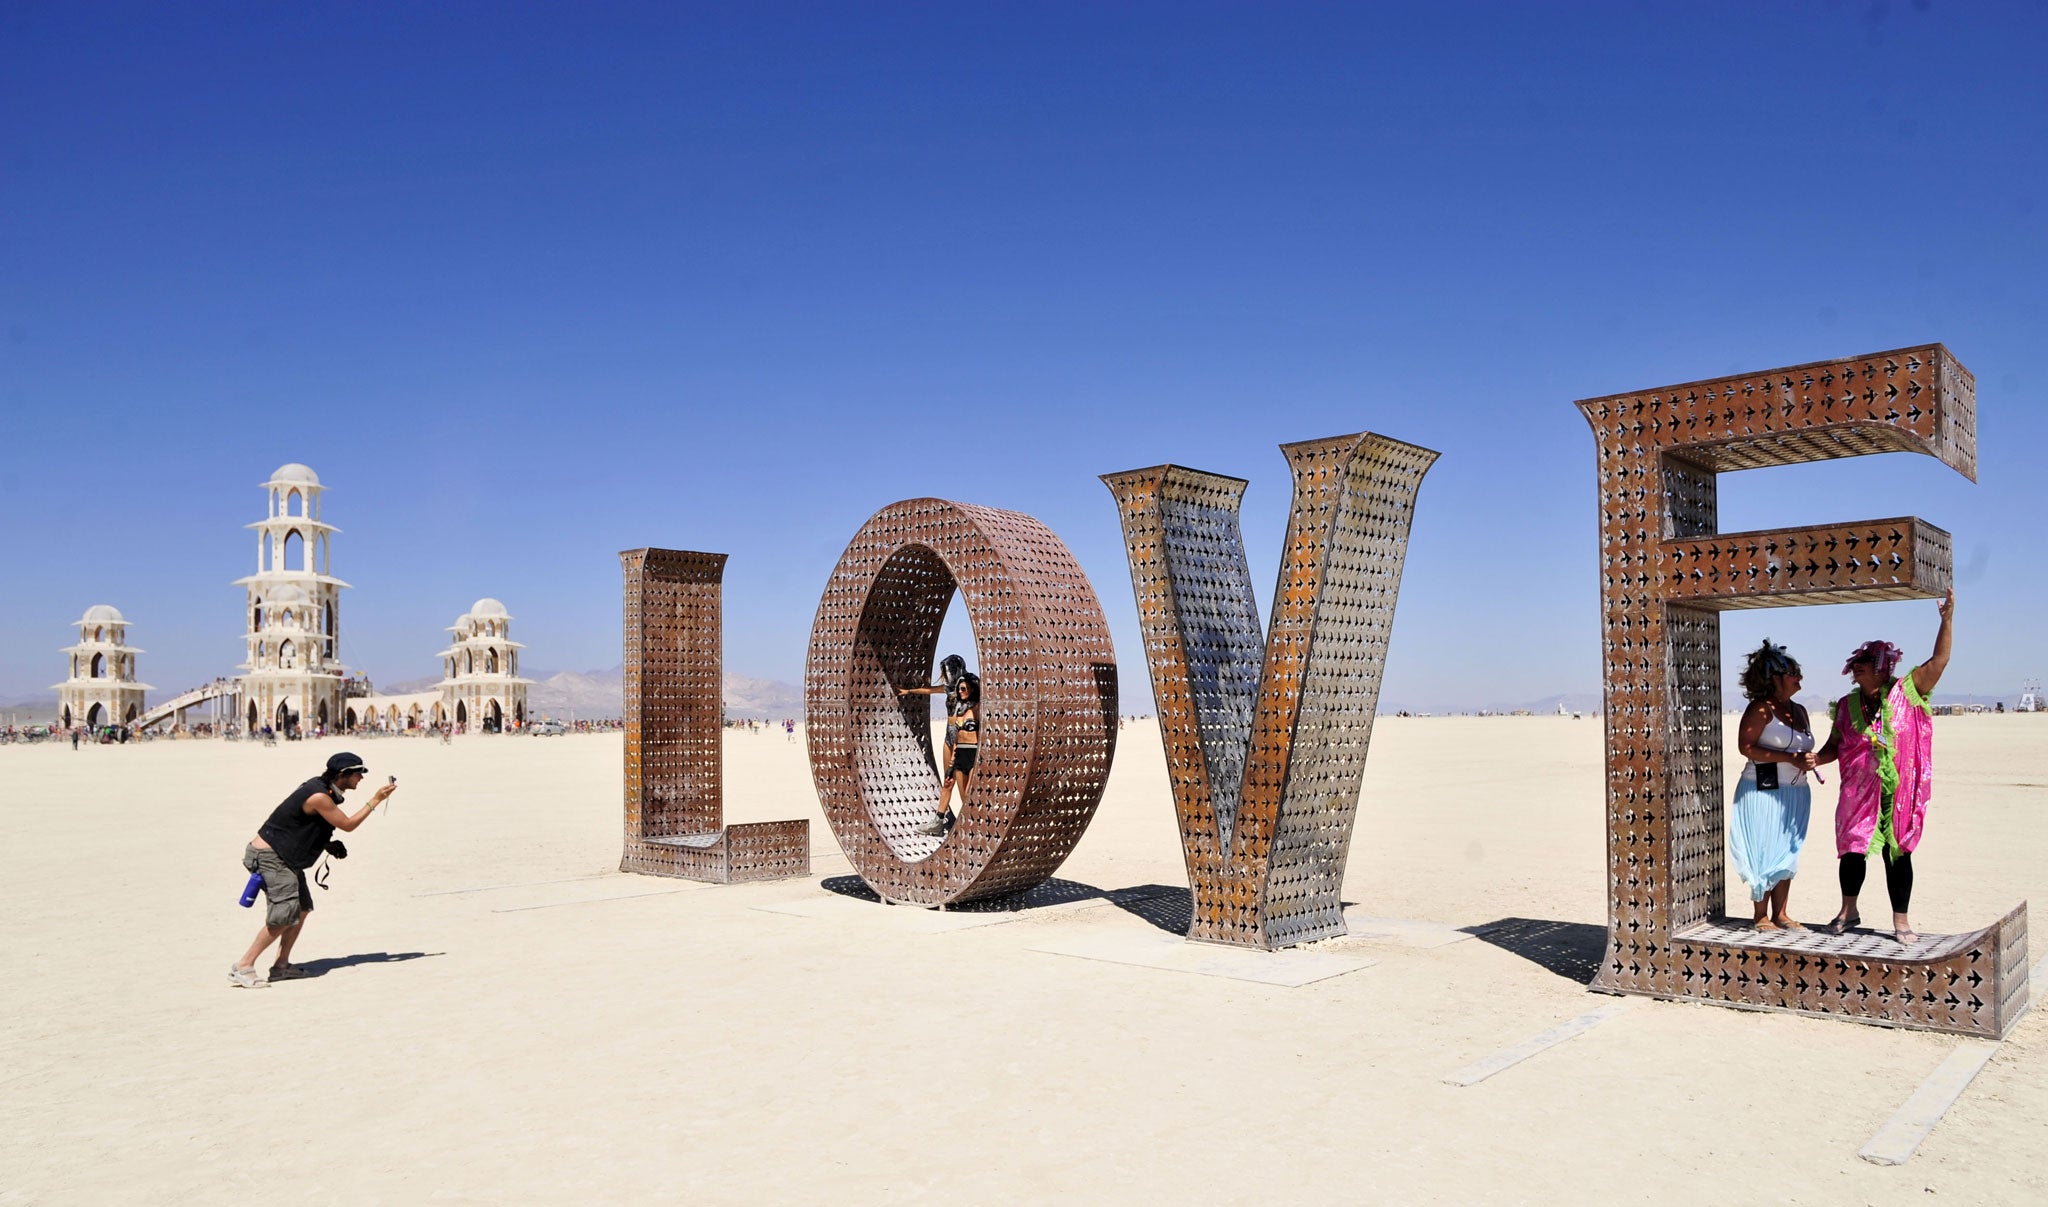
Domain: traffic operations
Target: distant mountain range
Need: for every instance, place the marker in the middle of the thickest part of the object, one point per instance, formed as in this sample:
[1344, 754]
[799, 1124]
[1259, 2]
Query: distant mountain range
[406, 687]
[594, 694]
[603, 694]
[29, 710]
[582, 694]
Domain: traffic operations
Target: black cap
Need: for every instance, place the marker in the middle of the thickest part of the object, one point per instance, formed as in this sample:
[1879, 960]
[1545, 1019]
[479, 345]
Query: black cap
[343, 763]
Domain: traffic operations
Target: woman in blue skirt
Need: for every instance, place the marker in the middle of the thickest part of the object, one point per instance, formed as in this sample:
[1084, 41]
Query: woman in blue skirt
[1767, 826]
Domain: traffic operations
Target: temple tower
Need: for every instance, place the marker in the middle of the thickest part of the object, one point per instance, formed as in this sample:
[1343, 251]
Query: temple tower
[481, 690]
[102, 689]
[293, 677]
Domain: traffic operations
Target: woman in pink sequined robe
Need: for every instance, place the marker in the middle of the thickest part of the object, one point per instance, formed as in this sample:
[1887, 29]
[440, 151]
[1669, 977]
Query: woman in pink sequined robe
[1884, 739]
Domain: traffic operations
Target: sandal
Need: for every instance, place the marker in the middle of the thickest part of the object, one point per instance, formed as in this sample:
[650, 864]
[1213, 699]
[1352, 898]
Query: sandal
[1764, 924]
[1788, 924]
[1839, 925]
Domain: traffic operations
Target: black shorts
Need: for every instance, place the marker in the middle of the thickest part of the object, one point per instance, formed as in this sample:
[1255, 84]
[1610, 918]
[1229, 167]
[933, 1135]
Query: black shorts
[963, 759]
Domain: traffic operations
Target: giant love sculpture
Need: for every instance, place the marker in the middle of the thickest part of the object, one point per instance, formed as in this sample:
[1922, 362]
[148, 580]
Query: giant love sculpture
[1266, 728]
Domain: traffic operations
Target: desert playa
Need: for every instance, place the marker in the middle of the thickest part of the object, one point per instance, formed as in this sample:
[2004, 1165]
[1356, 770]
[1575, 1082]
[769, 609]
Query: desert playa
[500, 1015]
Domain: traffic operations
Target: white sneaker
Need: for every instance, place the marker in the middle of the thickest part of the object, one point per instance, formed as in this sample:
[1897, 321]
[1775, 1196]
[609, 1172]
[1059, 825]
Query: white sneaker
[245, 978]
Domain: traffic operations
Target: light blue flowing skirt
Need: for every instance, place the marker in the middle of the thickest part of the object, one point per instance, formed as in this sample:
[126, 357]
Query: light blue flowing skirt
[1765, 831]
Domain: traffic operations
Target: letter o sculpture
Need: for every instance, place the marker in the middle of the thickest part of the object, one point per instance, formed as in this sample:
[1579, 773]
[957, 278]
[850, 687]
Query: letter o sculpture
[1048, 711]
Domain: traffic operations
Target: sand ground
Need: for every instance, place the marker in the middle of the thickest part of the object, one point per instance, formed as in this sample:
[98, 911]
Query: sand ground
[685, 1045]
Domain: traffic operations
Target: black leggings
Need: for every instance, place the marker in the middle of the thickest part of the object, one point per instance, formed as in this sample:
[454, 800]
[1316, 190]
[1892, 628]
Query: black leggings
[1898, 878]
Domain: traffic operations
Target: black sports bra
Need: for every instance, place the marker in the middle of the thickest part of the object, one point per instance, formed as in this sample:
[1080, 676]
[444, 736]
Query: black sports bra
[963, 700]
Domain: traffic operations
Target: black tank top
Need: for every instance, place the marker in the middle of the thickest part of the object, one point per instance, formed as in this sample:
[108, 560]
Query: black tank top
[297, 836]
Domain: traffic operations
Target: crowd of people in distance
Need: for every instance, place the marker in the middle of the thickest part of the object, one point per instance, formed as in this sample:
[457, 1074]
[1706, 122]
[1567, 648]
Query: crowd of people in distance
[448, 729]
[80, 735]
[1881, 737]
[787, 726]
[113, 735]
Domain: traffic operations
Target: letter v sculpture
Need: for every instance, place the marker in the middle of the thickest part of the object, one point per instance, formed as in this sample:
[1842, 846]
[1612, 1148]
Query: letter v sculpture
[1266, 735]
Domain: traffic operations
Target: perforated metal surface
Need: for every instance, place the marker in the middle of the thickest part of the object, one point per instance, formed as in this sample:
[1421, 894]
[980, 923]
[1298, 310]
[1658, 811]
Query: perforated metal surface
[1827, 563]
[1266, 732]
[1048, 712]
[675, 779]
[1665, 573]
[1973, 984]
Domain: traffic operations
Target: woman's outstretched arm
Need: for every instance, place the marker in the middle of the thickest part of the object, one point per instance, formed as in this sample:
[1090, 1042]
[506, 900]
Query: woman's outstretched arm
[1928, 673]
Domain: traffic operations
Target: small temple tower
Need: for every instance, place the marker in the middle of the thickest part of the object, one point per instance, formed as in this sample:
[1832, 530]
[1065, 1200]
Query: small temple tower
[293, 678]
[481, 690]
[102, 689]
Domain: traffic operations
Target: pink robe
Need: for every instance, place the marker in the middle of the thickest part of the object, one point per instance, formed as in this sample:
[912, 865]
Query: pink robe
[1862, 798]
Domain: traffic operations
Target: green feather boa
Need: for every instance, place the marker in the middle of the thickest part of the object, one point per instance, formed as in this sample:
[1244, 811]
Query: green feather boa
[1883, 744]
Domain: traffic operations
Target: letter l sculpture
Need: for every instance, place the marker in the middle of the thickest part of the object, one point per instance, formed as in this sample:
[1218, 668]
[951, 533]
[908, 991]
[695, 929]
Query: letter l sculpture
[675, 765]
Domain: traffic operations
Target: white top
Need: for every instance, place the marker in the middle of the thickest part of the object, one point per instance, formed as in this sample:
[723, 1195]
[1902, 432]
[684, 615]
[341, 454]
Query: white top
[1779, 736]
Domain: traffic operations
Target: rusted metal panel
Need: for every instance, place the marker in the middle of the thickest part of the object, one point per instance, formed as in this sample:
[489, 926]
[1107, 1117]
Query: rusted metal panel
[1666, 572]
[1048, 714]
[1904, 558]
[1908, 400]
[1266, 732]
[675, 777]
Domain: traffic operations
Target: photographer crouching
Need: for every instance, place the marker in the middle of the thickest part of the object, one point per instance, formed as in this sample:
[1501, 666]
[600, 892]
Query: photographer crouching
[291, 840]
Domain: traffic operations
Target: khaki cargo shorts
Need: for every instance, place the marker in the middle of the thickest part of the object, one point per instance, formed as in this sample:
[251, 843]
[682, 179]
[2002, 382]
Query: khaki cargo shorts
[284, 887]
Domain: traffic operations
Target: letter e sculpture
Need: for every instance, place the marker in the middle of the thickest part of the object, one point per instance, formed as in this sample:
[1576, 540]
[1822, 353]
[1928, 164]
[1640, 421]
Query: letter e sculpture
[1666, 572]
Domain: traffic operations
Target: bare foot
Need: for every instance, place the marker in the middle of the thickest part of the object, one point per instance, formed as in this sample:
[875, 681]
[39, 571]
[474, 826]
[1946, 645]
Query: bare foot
[1906, 936]
[1764, 924]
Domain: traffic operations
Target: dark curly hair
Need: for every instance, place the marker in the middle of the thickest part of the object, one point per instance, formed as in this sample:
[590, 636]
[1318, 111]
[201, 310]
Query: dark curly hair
[1760, 673]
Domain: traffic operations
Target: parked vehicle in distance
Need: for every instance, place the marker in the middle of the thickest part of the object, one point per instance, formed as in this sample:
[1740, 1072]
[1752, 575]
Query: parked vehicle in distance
[546, 729]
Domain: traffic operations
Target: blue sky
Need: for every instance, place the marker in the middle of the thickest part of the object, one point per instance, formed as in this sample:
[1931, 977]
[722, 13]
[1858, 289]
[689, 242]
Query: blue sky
[529, 285]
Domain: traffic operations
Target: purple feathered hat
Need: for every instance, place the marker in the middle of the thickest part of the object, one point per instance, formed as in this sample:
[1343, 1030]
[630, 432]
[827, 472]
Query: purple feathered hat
[1882, 655]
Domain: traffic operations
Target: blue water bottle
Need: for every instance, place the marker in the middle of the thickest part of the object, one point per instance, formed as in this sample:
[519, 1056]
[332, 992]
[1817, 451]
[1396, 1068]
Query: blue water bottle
[250, 889]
